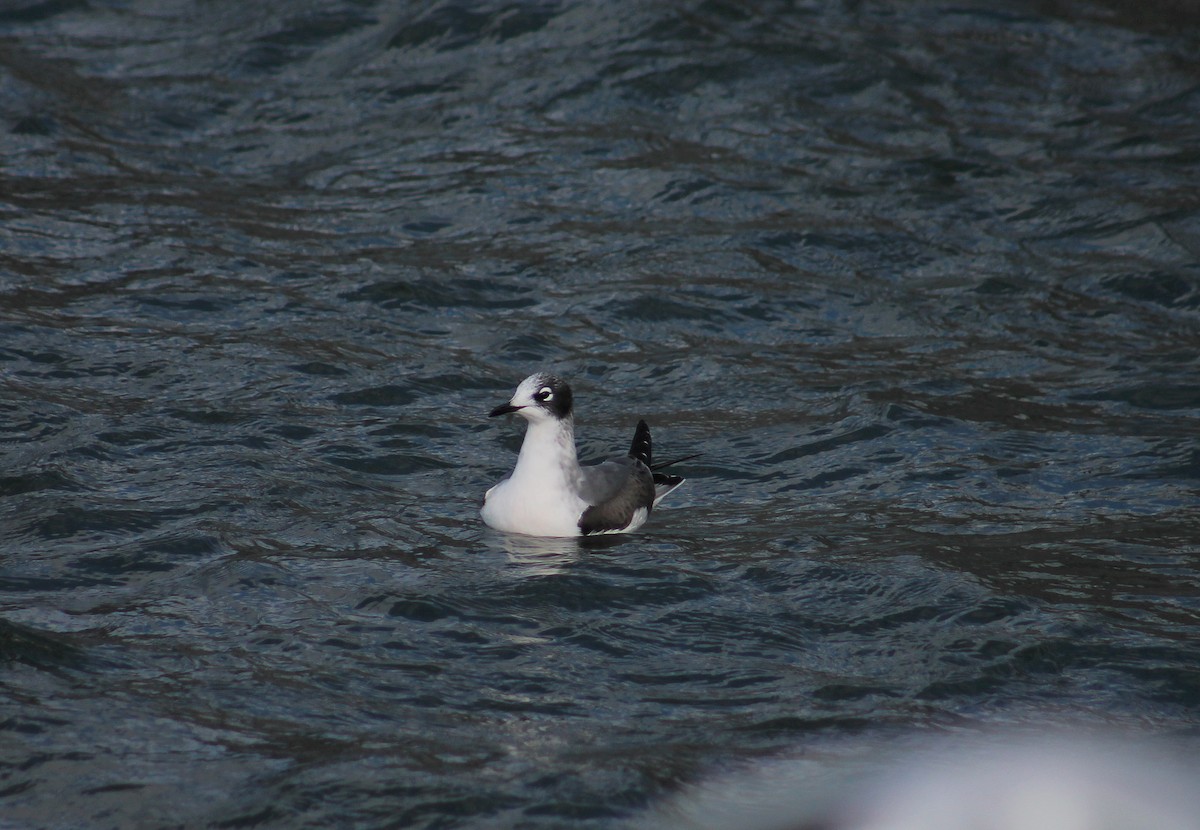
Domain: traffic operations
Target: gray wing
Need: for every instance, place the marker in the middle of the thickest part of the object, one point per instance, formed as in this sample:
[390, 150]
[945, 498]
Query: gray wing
[615, 491]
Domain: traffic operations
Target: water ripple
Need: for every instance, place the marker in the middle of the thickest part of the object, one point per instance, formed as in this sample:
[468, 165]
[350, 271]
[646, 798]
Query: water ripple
[918, 284]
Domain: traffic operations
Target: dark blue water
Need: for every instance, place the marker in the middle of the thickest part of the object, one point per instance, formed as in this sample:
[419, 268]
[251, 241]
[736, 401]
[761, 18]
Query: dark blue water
[920, 281]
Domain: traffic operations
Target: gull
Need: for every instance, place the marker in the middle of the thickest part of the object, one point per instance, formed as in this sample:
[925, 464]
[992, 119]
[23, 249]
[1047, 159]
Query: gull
[548, 493]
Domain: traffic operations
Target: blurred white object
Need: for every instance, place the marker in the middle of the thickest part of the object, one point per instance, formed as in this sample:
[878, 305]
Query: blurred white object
[1057, 783]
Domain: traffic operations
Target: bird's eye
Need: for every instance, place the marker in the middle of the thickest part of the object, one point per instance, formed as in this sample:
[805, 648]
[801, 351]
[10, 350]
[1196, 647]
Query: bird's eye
[544, 394]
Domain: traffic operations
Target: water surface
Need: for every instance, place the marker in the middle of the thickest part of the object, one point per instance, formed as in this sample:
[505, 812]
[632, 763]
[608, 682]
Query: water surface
[921, 283]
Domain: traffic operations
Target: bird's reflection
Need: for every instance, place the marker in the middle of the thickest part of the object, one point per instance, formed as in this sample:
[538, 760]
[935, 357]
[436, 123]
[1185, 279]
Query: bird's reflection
[540, 556]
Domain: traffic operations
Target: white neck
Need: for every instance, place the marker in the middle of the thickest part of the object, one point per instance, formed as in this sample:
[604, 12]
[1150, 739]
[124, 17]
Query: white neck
[548, 452]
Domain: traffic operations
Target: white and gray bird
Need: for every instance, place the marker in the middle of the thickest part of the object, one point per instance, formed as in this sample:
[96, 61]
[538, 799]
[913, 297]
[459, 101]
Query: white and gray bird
[548, 493]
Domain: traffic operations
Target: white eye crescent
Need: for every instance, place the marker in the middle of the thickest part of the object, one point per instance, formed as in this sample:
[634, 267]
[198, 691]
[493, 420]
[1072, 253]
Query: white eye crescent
[544, 394]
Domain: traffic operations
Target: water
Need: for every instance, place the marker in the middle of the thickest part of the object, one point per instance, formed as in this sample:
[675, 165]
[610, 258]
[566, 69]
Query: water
[921, 283]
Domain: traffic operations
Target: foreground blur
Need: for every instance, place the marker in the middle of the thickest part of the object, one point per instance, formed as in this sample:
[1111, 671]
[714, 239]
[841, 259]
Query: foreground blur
[1057, 783]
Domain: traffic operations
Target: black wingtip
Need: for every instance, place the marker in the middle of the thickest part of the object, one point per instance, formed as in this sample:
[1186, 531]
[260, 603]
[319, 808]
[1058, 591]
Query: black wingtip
[640, 448]
[666, 480]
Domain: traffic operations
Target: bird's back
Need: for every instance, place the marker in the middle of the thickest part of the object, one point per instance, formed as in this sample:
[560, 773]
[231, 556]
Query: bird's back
[620, 493]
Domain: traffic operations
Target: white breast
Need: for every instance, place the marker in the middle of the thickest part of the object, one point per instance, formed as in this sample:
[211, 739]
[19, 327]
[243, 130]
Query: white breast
[533, 508]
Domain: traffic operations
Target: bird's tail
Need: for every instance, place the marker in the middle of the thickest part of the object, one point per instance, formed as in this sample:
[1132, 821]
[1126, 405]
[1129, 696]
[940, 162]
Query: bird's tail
[642, 450]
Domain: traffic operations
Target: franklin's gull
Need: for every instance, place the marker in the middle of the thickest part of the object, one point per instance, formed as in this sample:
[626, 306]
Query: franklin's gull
[548, 493]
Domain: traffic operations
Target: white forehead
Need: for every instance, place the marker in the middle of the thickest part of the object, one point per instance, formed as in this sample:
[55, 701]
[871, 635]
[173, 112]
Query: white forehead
[531, 386]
